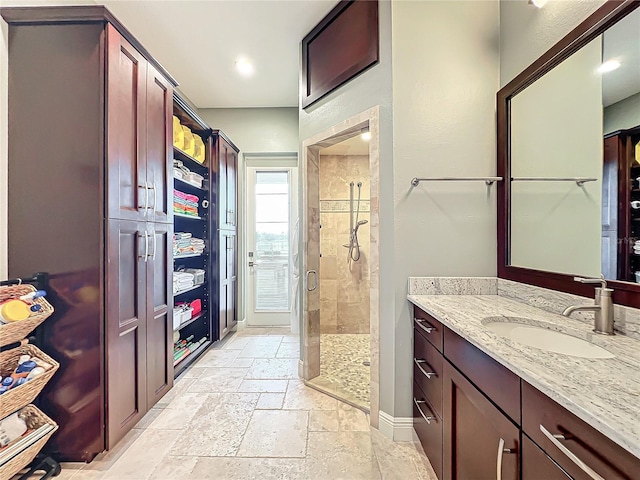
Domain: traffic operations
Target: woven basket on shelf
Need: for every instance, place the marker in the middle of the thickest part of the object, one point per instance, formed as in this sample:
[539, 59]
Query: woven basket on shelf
[34, 418]
[16, 331]
[18, 397]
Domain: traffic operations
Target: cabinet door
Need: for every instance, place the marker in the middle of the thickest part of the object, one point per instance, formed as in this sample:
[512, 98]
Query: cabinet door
[225, 311]
[480, 443]
[159, 313]
[127, 193]
[228, 165]
[128, 245]
[537, 465]
[159, 147]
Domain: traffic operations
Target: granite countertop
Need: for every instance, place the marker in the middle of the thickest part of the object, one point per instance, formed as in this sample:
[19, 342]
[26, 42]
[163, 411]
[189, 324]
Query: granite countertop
[605, 393]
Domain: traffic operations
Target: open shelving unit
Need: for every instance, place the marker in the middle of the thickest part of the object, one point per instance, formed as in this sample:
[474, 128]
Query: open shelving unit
[196, 334]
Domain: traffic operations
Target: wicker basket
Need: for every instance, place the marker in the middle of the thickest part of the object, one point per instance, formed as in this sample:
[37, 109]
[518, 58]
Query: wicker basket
[16, 331]
[34, 419]
[18, 397]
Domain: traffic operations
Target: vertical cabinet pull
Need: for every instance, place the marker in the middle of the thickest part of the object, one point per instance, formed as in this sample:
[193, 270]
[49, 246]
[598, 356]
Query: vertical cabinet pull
[155, 241]
[501, 452]
[427, 418]
[145, 207]
[152, 187]
[420, 323]
[555, 439]
[419, 362]
[145, 236]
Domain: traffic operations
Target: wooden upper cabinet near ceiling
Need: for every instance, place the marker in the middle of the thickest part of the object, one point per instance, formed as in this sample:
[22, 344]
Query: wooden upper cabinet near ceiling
[139, 106]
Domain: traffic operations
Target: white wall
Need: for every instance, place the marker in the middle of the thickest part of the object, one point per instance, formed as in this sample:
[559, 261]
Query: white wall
[445, 76]
[623, 114]
[526, 32]
[256, 130]
[556, 131]
[371, 88]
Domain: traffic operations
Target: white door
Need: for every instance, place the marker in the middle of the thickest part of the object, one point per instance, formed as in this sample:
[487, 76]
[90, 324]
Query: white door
[271, 207]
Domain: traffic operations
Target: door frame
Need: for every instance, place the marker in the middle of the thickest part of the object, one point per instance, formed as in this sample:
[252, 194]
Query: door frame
[276, 161]
[310, 247]
[251, 171]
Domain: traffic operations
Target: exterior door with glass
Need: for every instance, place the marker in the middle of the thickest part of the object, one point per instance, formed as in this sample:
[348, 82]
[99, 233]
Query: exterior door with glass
[271, 207]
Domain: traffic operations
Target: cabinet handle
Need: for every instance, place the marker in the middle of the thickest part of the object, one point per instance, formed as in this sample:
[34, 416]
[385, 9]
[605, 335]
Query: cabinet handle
[153, 189]
[428, 329]
[501, 452]
[153, 252]
[146, 245]
[555, 439]
[419, 363]
[426, 418]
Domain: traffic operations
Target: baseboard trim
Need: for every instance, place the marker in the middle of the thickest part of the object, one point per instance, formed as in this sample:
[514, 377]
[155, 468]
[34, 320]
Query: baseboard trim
[242, 324]
[398, 429]
[300, 369]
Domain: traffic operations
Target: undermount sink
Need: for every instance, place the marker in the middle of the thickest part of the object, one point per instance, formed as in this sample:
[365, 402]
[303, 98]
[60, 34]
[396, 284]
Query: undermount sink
[529, 332]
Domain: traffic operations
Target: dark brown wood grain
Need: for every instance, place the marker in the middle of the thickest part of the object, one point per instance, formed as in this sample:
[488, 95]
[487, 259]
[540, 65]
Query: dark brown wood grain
[432, 385]
[430, 434]
[473, 427]
[344, 44]
[435, 336]
[536, 465]
[597, 451]
[607, 15]
[497, 382]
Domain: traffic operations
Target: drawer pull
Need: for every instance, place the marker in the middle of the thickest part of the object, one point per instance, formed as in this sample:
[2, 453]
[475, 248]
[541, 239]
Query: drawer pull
[555, 439]
[426, 418]
[501, 452]
[419, 363]
[428, 329]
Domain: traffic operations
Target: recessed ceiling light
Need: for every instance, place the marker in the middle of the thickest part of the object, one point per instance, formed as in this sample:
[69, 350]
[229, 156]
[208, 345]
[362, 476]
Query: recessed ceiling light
[609, 66]
[366, 136]
[244, 67]
[538, 3]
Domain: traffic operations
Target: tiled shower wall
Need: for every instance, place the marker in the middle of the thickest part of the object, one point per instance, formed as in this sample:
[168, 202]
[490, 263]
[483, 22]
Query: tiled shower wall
[344, 288]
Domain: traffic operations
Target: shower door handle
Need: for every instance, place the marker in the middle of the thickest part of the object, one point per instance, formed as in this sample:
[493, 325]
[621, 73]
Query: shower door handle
[315, 280]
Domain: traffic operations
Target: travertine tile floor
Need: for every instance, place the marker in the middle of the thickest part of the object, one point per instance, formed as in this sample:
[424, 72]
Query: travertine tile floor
[242, 413]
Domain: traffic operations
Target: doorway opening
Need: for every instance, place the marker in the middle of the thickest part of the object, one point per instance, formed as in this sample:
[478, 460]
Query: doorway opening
[340, 232]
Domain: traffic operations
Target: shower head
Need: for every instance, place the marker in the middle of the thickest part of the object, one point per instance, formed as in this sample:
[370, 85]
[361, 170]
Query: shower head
[359, 184]
[362, 222]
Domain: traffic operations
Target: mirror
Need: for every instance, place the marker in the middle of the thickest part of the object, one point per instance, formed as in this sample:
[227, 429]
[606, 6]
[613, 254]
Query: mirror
[574, 170]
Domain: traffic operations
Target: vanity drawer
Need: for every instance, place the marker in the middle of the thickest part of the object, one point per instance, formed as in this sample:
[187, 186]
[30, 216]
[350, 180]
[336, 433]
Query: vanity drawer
[496, 381]
[429, 433]
[429, 327]
[427, 370]
[599, 453]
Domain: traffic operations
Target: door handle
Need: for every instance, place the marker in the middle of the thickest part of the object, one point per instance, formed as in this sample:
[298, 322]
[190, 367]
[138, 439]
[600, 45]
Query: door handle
[426, 418]
[501, 452]
[146, 196]
[153, 189]
[555, 439]
[146, 245]
[155, 241]
[315, 280]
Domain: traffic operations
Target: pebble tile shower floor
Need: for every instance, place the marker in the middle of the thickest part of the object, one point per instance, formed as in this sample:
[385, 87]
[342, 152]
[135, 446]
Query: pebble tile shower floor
[242, 413]
[344, 366]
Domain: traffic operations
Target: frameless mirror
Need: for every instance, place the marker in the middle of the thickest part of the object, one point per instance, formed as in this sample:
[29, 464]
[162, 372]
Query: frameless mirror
[575, 161]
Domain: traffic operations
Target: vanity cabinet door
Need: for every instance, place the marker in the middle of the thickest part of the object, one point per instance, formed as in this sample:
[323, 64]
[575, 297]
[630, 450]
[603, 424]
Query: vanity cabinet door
[537, 465]
[428, 426]
[480, 442]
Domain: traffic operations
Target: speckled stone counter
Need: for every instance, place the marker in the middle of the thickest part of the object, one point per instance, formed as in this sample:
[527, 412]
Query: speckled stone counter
[605, 393]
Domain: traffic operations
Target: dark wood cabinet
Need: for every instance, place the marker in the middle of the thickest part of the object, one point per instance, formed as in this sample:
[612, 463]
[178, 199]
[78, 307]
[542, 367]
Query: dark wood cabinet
[89, 172]
[492, 424]
[537, 465]
[226, 154]
[480, 442]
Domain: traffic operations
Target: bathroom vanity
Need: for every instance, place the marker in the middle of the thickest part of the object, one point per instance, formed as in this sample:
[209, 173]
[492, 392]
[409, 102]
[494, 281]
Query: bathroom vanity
[486, 406]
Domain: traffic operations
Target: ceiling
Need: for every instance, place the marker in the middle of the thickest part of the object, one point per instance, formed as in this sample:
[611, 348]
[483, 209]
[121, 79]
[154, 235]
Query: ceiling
[622, 41]
[198, 42]
[352, 146]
